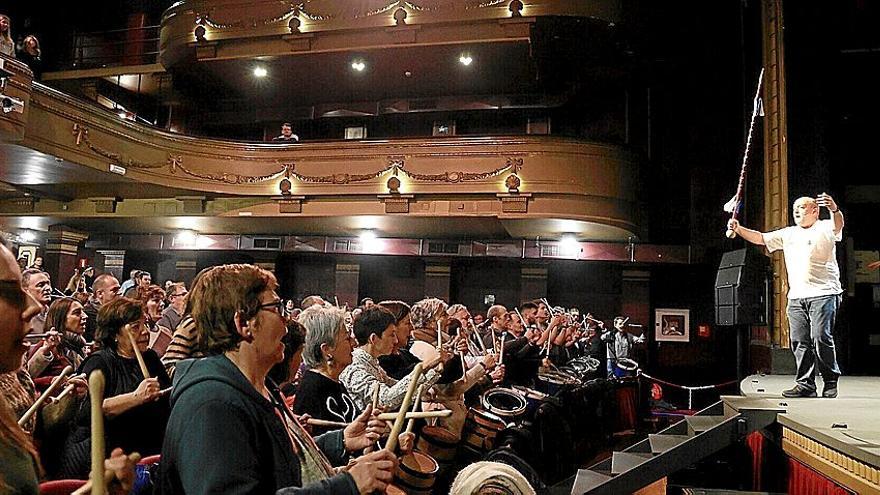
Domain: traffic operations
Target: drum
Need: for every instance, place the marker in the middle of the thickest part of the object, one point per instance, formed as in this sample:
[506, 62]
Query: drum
[534, 399]
[480, 429]
[439, 443]
[506, 403]
[553, 382]
[416, 473]
[625, 367]
[393, 490]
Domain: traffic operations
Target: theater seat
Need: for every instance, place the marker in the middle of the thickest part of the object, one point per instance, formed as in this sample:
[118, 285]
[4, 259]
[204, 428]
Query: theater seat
[60, 487]
[150, 459]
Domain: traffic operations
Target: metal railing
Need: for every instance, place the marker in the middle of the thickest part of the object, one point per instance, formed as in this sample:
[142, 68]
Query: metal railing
[129, 46]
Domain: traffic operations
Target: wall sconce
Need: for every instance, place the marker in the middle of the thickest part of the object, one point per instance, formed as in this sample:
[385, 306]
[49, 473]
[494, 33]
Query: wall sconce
[199, 33]
[512, 183]
[515, 8]
[393, 185]
[285, 186]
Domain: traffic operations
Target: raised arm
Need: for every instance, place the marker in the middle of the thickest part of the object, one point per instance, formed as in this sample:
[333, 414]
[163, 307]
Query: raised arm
[749, 235]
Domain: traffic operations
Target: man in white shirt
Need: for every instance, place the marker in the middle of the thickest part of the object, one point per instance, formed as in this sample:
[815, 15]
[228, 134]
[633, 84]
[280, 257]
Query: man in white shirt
[814, 293]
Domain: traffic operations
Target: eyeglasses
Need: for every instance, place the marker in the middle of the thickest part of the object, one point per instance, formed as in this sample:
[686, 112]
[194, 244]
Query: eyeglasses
[277, 307]
[179, 294]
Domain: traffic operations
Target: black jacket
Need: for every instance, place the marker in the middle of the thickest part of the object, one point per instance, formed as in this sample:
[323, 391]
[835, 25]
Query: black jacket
[224, 437]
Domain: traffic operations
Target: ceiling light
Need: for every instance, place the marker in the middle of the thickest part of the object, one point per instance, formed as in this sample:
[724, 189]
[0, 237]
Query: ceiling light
[465, 59]
[368, 236]
[260, 71]
[358, 65]
[27, 236]
[186, 238]
[569, 245]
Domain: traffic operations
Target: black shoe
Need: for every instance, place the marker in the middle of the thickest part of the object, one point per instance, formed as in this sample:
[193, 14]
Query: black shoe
[798, 391]
[829, 391]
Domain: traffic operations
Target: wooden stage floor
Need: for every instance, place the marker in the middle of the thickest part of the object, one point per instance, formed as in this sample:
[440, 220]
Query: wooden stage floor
[850, 423]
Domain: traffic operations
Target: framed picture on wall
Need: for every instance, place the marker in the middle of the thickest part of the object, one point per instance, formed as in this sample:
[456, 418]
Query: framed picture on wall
[672, 325]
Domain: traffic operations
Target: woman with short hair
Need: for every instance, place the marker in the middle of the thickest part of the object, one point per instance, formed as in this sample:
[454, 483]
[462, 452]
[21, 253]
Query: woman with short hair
[229, 430]
[327, 351]
[135, 407]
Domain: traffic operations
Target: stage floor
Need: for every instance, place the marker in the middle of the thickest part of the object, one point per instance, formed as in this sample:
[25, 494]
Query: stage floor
[850, 423]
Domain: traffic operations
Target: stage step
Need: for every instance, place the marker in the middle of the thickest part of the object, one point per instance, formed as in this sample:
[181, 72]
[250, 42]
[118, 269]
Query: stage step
[675, 448]
[699, 424]
[662, 443]
[624, 461]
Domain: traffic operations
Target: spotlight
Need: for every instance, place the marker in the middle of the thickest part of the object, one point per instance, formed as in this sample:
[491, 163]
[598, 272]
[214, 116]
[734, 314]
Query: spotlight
[27, 236]
[358, 65]
[370, 243]
[569, 245]
[260, 71]
[368, 236]
[186, 238]
[465, 59]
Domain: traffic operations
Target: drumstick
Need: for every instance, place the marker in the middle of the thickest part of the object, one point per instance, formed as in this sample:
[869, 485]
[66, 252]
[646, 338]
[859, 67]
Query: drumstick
[137, 353]
[336, 299]
[326, 423]
[439, 335]
[375, 394]
[69, 387]
[740, 186]
[418, 399]
[391, 445]
[39, 402]
[501, 354]
[442, 413]
[463, 364]
[479, 339]
[96, 397]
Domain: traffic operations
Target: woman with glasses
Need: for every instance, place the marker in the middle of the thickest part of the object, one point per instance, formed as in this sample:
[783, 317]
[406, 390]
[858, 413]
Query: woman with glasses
[327, 351]
[135, 408]
[229, 430]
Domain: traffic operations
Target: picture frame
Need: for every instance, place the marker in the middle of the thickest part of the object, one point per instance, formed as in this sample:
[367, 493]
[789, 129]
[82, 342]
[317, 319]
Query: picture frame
[672, 325]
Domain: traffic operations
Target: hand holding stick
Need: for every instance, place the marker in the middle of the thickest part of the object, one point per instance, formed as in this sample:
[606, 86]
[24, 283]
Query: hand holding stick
[391, 445]
[740, 187]
[49, 391]
[463, 364]
[137, 352]
[501, 354]
[375, 394]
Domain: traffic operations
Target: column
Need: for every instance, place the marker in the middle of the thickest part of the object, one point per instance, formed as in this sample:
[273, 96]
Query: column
[347, 279]
[438, 278]
[62, 253]
[110, 261]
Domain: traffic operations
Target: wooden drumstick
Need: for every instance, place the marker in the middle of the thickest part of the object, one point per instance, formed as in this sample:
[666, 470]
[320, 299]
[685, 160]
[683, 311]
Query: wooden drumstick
[69, 387]
[391, 445]
[463, 364]
[501, 354]
[49, 391]
[325, 423]
[439, 335]
[137, 352]
[443, 413]
[375, 394]
[479, 339]
[96, 397]
[416, 402]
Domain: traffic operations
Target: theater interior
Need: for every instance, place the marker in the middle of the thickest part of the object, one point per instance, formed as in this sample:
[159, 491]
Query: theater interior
[491, 152]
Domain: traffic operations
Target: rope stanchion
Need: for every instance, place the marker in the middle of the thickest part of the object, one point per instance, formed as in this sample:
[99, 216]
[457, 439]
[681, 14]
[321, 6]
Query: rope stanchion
[690, 389]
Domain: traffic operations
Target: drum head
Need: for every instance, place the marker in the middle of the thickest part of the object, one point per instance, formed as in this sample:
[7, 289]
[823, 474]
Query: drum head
[627, 364]
[504, 402]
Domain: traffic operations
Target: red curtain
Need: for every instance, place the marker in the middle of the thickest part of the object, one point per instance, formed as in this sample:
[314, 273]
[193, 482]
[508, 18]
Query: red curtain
[755, 442]
[804, 481]
[626, 408]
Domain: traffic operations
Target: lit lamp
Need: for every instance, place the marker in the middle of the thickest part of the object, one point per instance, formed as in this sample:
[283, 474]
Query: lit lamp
[393, 185]
[199, 33]
[512, 183]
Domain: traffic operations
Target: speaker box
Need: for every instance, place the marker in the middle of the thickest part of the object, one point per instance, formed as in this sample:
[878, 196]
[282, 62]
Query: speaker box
[742, 288]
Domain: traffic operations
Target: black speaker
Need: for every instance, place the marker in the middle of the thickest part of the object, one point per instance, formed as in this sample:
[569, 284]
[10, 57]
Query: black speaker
[742, 288]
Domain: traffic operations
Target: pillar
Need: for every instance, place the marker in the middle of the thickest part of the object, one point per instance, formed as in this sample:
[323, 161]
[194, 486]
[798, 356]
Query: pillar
[347, 280]
[62, 253]
[110, 261]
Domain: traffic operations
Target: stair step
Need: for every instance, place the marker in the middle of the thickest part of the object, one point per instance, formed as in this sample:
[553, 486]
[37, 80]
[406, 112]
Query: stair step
[662, 443]
[624, 461]
[586, 480]
[699, 424]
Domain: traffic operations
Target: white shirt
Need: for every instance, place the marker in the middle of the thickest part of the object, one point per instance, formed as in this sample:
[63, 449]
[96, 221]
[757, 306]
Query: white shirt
[810, 258]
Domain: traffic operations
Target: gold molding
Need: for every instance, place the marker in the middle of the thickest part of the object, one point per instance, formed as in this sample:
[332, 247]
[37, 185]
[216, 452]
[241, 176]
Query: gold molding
[847, 471]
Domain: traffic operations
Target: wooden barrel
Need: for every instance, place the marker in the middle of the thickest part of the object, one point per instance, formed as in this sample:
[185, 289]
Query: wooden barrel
[480, 429]
[439, 443]
[416, 473]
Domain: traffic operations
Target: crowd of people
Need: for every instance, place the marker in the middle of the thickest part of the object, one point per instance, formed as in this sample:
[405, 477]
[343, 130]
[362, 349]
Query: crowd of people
[27, 49]
[238, 391]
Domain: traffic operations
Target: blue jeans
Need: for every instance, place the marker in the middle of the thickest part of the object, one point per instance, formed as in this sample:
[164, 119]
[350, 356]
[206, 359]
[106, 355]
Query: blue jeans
[811, 321]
